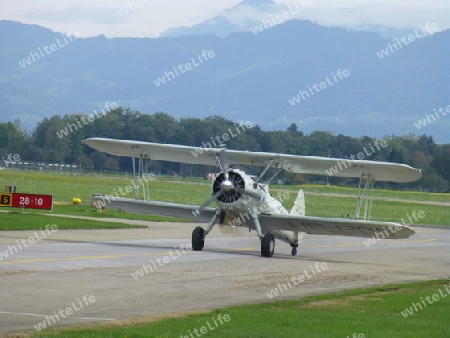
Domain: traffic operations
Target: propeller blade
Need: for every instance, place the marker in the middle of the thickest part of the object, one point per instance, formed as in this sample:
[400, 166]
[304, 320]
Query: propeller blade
[224, 163]
[196, 212]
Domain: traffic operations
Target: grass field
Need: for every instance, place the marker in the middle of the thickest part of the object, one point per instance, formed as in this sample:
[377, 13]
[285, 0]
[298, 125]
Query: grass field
[64, 187]
[384, 193]
[374, 312]
[18, 221]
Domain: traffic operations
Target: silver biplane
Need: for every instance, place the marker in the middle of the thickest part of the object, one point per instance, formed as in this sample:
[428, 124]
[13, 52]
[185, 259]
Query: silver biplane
[246, 198]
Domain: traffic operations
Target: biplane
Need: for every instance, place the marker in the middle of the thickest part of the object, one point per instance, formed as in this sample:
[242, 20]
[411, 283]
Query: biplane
[245, 199]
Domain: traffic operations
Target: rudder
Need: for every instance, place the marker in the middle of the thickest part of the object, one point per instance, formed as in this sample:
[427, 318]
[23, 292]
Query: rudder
[299, 209]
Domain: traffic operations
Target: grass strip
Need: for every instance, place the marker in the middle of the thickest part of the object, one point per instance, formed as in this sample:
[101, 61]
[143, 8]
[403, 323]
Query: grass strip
[372, 312]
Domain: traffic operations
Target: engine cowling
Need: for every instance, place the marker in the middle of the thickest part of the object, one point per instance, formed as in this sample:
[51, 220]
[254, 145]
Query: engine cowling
[229, 194]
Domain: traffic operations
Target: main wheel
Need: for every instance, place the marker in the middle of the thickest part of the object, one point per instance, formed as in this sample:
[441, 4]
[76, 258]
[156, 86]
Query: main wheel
[267, 245]
[198, 241]
[294, 251]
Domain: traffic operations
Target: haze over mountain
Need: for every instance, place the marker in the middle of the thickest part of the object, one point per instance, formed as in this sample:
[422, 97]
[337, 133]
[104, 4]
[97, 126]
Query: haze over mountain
[249, 77]
[248, 14]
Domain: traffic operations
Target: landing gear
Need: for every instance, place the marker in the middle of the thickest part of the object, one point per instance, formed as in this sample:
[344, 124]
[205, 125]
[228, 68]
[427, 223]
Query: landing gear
[222, 217]
[267, 245]
[198, 239]
[267, 240]
[199, 234]
[294, 251]
[294, 244]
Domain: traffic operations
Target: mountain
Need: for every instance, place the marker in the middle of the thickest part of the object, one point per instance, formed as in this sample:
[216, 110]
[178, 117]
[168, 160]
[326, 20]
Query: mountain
[240, 18]
[249, 14]
[241, 76]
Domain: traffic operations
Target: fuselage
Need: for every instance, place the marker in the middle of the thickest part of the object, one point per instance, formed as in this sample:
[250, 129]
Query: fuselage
[252, 199]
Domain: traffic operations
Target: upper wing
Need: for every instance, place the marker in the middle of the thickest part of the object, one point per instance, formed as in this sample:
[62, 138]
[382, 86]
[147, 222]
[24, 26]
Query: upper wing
[335, 226]
[379, 171]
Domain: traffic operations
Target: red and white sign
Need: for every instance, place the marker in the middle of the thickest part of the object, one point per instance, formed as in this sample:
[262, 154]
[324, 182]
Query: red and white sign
[211, 176]
[29, 201]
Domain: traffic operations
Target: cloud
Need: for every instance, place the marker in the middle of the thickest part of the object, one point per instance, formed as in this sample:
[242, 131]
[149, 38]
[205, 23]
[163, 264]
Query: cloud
[152, 17]
[102, 15]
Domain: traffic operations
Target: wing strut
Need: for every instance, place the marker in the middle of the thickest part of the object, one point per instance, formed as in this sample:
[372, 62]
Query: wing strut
[139, 180]
[143, 182]
[365, 197]
[264, 171]
[136, 189]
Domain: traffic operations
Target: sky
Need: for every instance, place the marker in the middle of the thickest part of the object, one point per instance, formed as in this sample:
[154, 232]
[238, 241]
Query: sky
[149, 18]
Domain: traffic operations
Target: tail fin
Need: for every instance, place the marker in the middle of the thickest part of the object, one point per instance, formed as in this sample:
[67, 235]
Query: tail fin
[298, 209]
[299, 205]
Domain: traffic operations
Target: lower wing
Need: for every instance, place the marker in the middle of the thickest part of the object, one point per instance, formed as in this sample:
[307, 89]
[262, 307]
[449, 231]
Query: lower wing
[335, 226]
[306, 224]
[154, 208]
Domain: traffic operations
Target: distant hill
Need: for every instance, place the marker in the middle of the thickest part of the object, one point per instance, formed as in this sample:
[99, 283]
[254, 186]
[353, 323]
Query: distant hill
[250, 77]
[248, 14]
[240, 18]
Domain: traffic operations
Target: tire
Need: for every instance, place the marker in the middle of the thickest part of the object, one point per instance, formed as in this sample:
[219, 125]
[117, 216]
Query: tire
[267, 245]
[198, 241]
[222, 217]
[294, 251]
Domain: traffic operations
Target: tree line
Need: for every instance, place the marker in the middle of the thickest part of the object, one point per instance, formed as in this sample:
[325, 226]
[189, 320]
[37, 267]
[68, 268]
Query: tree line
[58, 140]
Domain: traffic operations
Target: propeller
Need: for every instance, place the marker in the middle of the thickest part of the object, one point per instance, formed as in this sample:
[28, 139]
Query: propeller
[228, 186]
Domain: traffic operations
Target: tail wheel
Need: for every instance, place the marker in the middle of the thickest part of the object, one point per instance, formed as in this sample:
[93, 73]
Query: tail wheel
[267, 245]
[198, 240]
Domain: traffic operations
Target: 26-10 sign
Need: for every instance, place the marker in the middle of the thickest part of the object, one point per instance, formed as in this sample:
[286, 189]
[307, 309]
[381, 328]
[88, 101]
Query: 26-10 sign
[29, 201]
